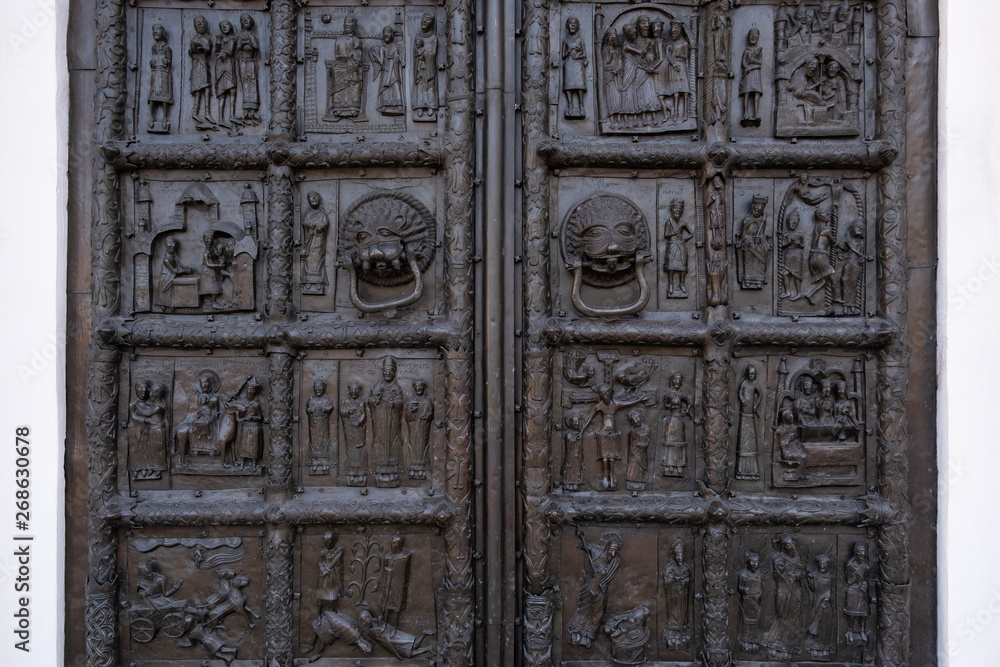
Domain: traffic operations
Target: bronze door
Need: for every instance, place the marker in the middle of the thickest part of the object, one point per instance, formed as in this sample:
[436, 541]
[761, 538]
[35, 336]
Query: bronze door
[453, 333]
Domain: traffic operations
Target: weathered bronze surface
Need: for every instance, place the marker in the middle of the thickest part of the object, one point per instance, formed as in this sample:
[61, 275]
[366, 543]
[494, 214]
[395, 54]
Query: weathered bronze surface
[367, 384]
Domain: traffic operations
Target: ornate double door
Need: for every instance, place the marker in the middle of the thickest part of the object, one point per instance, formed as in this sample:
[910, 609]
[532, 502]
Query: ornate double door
[415, 343]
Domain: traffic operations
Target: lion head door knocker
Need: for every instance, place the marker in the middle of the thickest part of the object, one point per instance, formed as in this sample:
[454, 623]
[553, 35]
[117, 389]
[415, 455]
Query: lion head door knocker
[386, 240]
[605, 244]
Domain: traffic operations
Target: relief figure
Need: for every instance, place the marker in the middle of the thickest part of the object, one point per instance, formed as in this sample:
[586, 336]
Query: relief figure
[388, 72]
[790, 452]
[754, 246]
[819, 639]
[425, 68]
[609, 445]
[216, 273]
[331, 627]
[354, 417]
[319, 407]
[678, 233]
[315, 229]
[678, 83]
[852, 258]
[856, 603]
[629, 633]
[330, 580]
[613, 86]
[601, 565]
[419, 415]
[574, 57]
[748, 441]
[198, 432]
[344, 77]
[198, 632]
[385, 418]
[247, 48]
[751, 591]
[225, 74]
[677, 593]
[153, 590]
[792, 267]
[161, 83]
[638, 451]
[395, 580]
[677, 406]
[401, 644]
[147, 431]
[245, 406]
[200, 50]
[717, 269]
[573, 465]
[783, 638]
[751, 88]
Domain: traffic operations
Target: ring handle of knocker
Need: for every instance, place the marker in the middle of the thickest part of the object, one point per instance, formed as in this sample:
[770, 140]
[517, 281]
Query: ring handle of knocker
[392, 304]
[613, 311]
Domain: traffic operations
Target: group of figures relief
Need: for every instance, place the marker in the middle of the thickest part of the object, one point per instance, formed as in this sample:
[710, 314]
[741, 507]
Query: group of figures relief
[346, 71]
[381, 588]
[192, 622]
[224, 433]
[386, 433]
[806, 604]
[600, 423]
[224, 67]
[647, 73]
[628, 630]
[818, 74]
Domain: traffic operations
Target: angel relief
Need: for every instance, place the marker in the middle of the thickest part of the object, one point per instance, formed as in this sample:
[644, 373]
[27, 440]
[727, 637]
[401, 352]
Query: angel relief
[647, 72]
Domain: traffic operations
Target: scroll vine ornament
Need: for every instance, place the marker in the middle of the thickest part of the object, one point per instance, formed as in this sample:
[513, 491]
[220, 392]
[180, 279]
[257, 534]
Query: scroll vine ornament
[605, 244]
[386, 240]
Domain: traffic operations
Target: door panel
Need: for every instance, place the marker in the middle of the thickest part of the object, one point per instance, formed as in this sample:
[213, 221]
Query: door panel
[453, 333]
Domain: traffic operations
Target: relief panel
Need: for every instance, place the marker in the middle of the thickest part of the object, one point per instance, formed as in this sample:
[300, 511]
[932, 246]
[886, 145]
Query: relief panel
[803, 247]
[624, 70]
[367, 246]
[807, 595]
[195, 596]
[371, 70]
[627, 595]
[802, 422]
[370, 422]
[626, 420]
[198, 72]
[751, 62]
[368, 595]
[622, 241]
[193, 246]
[194, 423]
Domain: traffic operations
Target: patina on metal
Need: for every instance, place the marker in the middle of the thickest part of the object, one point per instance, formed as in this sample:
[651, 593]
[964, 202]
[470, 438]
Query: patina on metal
[480, 333]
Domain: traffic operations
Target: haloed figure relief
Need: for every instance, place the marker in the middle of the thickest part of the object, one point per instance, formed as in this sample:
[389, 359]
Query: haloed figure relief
[225, 74]
[747, 440]
[247, 49]
[147, 431]
[419, 415]
[676, 406]
[783, 639]
[425, 68]
[601, 564]
[574, 57]
[753, 246]
[677, 593]
[677, 233]
[315, 229]
[751, 87]
[387, 70]
[354, 417]
[629, 633]
[319, 407]
[751, 592]
[198, 433]
[161, 82]
[245, 406]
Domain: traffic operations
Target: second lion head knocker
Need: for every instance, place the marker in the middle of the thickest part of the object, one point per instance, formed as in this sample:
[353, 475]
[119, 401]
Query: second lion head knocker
[386, 240]
[605, 244]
